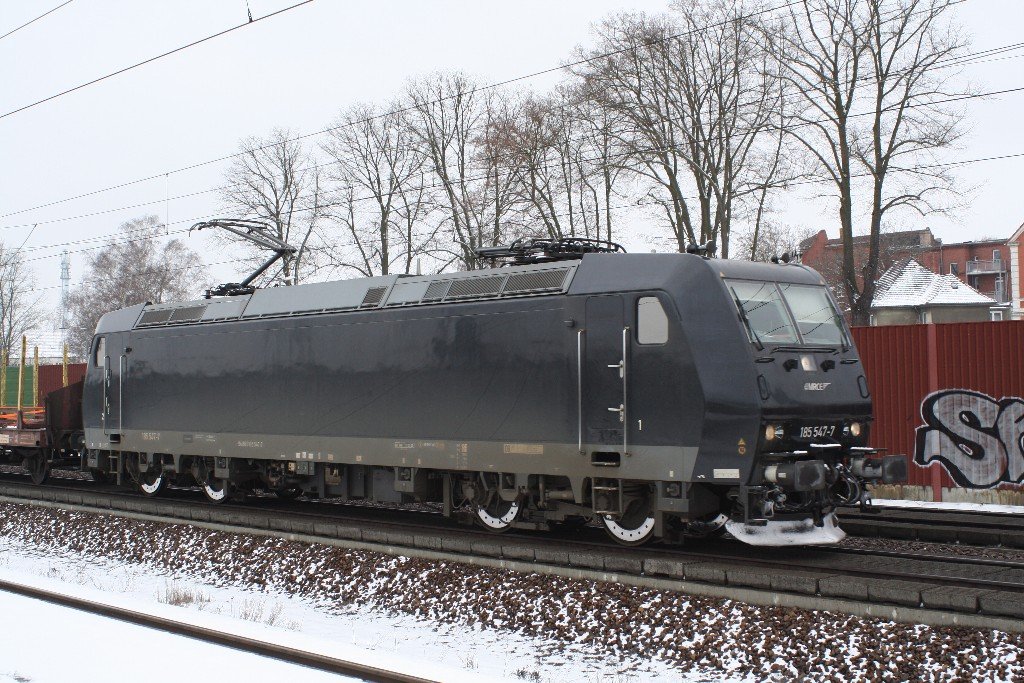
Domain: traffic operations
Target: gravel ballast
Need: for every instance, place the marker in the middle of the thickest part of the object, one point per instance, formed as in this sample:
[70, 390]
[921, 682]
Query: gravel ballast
[703, 636]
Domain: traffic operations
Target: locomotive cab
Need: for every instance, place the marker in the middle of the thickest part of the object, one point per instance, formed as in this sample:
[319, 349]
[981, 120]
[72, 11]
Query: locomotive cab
[812, 453]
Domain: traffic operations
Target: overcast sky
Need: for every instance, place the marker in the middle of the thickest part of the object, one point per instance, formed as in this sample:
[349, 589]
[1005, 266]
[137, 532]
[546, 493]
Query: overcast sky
[297, 70]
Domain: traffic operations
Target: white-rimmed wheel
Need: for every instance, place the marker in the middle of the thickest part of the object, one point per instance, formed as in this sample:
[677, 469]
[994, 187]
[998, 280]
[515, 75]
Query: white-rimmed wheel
[152, 481]
[635, 526]
[498, 514]
[217, 490]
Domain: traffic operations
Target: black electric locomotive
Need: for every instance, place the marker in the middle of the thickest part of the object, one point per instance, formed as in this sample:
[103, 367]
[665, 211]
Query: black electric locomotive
[664, 395]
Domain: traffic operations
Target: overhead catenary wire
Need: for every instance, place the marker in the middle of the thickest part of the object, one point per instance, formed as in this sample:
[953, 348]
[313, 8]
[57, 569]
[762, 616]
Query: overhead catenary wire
[167, 199]
[987, 52]
[111, 238]
[136, 65]
[617, 207]
[483, 88]
[32, 21]
[469, 91]
[485, 176]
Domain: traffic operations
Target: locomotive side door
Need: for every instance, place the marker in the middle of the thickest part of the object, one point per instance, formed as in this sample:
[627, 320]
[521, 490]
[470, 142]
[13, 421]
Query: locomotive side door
[605, 371]
[109, 353]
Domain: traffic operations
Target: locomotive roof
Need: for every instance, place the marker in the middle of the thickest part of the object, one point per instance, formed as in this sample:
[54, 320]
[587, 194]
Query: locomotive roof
[593, 273]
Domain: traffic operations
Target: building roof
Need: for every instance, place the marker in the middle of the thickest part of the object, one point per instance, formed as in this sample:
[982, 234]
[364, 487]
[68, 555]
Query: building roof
[902, 239]
[908, 284]
[1018, 234]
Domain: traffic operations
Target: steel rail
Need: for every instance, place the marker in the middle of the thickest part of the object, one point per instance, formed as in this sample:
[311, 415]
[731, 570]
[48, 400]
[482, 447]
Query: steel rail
[718, 570]
[814, 559]
[952, 559]
[305, 658]
[966, 527]
[936, 516]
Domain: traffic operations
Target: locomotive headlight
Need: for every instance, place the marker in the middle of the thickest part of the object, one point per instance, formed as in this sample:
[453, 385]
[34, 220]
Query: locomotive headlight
[772, 432]
[855, 428]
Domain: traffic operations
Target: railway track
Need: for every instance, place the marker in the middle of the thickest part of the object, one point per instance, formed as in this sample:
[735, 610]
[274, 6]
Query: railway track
[968, 527]
[301, 657]
[905, 586]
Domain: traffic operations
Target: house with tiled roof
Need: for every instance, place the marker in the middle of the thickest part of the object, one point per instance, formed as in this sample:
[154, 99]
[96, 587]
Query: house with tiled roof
[909, 293]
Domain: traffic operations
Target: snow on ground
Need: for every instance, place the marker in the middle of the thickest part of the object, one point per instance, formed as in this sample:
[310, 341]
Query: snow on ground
[421, 648]
[53, 644]
[459, 622]
[949, 505]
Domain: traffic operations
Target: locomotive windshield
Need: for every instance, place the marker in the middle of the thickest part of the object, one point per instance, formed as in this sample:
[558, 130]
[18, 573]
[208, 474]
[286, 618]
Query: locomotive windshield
[769, 309]
[816, 318]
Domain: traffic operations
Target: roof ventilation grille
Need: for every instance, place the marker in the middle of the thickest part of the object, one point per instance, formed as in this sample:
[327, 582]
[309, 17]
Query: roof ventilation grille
[539, 281]
[187, 314]
[373, 297]
[475, 288]
[436, 290]
[150, 318]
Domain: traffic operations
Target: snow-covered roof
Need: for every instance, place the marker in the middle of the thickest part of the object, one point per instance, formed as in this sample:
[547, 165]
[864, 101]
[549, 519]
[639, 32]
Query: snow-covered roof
[909, 284]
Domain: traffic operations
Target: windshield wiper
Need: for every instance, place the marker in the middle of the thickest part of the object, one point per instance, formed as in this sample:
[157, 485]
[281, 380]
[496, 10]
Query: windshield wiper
[746, 321]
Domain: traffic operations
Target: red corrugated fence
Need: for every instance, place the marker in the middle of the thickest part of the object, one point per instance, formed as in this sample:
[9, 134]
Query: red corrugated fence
[962, 384]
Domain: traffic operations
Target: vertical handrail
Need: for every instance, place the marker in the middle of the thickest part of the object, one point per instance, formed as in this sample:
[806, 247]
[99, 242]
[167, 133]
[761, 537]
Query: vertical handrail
[105, 408]
[121, 367]
[579, 388]
[625, 394]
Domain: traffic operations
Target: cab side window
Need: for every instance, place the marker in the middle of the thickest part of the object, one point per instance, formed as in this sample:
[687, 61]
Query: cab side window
[100, 359]
[651, 321]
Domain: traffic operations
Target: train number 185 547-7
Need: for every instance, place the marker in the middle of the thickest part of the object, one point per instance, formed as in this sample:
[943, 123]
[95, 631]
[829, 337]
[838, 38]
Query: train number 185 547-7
[817, 431]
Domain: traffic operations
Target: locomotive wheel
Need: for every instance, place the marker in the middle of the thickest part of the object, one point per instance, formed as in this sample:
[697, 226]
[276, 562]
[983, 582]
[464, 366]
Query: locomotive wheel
[498, 514]
[152, 483]
[101, 477]
[38, 468]
[218, 490]
[635, 527]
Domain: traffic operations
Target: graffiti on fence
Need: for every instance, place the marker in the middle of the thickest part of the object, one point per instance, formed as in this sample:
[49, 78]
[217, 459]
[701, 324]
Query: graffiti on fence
[978, 439]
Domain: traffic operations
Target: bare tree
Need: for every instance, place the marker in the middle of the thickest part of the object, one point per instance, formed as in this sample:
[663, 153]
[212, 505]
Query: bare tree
[875, 110]
[558, 152]
[606, 157]
[698, 95]
[135, 267]
[769, 239]
[20, 307]
[274, 179]
[379, 198]
[455, 126]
